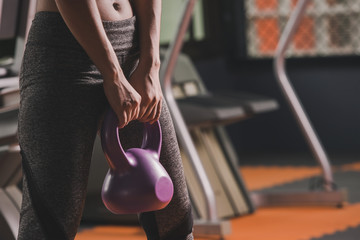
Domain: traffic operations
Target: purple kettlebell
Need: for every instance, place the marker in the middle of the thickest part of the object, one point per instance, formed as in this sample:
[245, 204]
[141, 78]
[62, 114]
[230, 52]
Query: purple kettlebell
[136, 181]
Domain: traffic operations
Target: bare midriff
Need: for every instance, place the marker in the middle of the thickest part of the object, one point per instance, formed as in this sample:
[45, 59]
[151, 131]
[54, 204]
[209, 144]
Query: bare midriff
[110, 10]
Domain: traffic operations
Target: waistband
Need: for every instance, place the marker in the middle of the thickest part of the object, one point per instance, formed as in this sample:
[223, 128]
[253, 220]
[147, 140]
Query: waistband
[49, 28]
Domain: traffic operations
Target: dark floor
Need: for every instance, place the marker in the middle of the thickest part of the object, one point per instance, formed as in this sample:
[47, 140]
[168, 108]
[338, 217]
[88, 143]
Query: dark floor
[287, 172]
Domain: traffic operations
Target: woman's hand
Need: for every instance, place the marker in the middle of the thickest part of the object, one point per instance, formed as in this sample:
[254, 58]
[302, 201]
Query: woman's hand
[123, 98]
[84, 21]
[145, 80]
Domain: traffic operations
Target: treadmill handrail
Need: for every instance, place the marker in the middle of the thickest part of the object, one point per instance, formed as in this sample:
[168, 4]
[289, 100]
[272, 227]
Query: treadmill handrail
[291, 96]
[166, 72]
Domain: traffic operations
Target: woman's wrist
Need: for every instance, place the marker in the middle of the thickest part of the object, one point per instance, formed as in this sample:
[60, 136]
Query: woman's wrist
[113, 75]
[149, 62]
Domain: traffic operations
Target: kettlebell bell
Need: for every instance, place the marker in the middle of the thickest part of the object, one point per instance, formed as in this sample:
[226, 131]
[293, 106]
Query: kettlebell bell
[136, 181]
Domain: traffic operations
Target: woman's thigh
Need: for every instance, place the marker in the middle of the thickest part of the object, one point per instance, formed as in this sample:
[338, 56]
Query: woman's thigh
[57, 127]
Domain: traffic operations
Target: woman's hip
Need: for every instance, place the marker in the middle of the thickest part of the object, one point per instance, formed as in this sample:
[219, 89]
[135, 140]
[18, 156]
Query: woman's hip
[53, 55]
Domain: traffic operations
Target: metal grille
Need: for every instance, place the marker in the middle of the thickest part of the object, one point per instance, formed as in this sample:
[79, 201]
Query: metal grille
[329, 27]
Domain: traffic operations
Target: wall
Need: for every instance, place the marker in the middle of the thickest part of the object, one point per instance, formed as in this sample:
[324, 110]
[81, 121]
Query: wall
[328, 88]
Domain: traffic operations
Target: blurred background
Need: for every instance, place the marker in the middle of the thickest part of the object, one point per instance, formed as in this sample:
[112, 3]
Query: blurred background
[232, 44]
[266, 181]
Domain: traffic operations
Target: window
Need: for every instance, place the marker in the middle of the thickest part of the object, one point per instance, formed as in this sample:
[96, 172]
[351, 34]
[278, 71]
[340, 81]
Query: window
[329, 27]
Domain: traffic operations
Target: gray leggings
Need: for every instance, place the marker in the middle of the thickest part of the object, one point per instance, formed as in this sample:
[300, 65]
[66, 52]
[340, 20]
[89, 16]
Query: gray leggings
[62, 100]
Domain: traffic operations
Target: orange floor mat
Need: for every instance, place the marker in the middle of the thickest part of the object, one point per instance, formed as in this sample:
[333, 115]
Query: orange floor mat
[280, 223]
[112, 233]
[259, 177]
[294, 223]
[277, 223]
[351, 167]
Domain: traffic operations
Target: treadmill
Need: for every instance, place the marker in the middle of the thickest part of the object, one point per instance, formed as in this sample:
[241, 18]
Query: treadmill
[17, 17]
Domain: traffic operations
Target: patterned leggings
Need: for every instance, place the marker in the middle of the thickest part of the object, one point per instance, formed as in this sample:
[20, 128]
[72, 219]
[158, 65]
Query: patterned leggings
[62, 100]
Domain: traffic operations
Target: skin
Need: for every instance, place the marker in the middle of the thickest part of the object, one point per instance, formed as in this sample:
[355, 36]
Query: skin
[137, 98]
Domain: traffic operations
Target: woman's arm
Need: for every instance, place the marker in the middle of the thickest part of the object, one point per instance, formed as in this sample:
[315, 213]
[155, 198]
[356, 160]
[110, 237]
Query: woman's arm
[145, 78]
[83, 19]
[148, 14]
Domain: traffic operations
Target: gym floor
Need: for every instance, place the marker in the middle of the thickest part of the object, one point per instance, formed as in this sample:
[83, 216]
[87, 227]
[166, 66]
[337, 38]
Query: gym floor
[272, 172]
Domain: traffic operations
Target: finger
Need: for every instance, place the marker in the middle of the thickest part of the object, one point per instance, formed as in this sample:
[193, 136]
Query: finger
[158, 112]
[131, 113]
[135, 113]
[153, 114]
[147, 115]
[142, 111]
[123, 119]
[146, 109]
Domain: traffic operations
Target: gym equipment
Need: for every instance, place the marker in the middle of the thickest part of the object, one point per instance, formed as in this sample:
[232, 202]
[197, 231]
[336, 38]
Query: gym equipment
[136, 181]
[15, 21]
[205, 113]
[211, 224]
[202, 108]
[215, 109]
[328, 194]
[8, 14]
[10, 175]
[200, 111]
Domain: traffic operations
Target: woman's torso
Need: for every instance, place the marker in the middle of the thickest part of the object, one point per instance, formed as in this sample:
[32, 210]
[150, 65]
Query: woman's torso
[53, 54]
[110, 10]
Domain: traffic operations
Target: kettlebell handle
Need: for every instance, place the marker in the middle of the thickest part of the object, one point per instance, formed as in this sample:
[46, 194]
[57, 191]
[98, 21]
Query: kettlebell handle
[111, 144]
